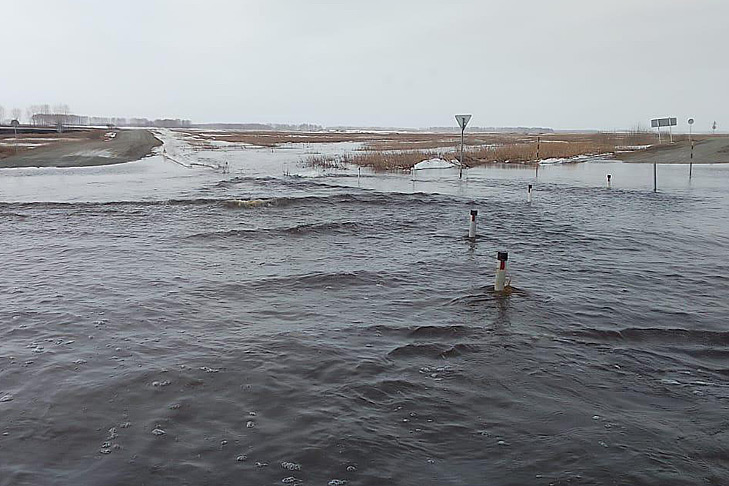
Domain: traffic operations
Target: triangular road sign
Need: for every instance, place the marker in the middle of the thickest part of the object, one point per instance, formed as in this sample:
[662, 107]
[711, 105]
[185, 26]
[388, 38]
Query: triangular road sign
[463, 120]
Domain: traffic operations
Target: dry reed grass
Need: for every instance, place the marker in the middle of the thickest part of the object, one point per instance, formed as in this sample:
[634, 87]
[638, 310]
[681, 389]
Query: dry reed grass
[485, 149]
[378, 161]
[401, 151]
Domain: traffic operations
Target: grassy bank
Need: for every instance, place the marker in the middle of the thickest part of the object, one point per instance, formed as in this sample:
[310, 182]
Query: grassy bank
[397, 153]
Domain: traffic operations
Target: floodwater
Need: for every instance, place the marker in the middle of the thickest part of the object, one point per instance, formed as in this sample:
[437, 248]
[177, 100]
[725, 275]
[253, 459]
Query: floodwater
[172, 325]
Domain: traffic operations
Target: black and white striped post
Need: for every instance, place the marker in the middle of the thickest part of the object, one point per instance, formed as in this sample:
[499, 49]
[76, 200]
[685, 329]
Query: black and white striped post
[472, 224]
[500, 280]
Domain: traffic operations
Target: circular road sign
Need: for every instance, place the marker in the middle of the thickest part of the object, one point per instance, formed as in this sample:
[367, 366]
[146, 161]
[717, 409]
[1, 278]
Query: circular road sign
[691, 121]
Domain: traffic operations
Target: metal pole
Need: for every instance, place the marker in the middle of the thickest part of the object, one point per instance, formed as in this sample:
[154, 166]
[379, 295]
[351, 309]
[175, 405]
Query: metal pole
[670, 133]
[691, 164]
[460, 174]
[539, 139]
[655, 187]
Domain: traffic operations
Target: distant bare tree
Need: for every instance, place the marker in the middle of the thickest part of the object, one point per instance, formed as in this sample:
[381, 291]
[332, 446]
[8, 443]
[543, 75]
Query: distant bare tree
[61, 109]
[2, 114]
[16, 112]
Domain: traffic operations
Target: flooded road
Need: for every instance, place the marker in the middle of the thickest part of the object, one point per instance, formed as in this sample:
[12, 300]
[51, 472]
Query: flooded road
[163, 324]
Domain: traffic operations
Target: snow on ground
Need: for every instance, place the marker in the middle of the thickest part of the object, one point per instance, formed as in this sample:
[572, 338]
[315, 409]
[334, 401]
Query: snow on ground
[22, 144]
[627, 148]
[251, 160]
[578, 158]
[92, 153]
[435, 164]
[38, 139]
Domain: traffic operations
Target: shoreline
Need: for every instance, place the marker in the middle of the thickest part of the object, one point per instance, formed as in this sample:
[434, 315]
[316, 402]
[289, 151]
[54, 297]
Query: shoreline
[707, 151]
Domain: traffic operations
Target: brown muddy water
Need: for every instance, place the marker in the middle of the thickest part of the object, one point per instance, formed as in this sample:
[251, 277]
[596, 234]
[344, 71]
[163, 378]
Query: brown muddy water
[157, 330]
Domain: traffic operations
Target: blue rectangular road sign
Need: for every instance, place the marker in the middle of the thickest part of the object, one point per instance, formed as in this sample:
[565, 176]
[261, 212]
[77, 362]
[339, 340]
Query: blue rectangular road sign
[663, 122]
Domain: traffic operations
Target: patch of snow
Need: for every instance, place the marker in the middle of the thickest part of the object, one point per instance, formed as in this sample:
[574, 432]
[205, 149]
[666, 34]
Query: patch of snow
[553, 160]
[92, 153]
[30, 145]
[632, 147]
[434, 164]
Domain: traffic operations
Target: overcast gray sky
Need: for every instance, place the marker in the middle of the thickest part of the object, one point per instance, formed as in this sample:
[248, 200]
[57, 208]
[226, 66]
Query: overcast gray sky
[554, 63]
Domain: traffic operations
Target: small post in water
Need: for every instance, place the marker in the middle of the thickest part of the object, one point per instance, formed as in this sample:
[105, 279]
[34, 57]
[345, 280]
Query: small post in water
[472, 225]
[500, 281]
[691, 163]
[609, 181]
[655, 185]
[529, 193]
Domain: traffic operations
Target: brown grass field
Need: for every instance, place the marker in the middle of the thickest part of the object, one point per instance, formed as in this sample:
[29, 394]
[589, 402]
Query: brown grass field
[8, 139]
[402, 150]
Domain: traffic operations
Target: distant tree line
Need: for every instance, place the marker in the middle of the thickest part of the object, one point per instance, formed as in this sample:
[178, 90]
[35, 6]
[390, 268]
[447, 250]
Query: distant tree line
[302, 127]
[60, 115]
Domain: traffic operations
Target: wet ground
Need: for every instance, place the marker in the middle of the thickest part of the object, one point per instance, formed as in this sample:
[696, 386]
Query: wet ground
[114, 147]
[165, 323]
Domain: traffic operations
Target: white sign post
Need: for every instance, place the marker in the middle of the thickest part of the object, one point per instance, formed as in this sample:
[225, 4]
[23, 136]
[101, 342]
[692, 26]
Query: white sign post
[663, 122]
[462, 122]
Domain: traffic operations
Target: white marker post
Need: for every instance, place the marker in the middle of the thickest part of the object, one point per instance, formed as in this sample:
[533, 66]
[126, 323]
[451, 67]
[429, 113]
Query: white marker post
[500, 282]
[529, 193]
[472, 226]
[609, 181]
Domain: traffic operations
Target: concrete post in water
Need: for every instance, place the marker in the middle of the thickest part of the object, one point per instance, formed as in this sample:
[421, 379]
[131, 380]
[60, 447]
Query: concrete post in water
[472, 225]
[529, 193]
[609, 181]
[500, 281]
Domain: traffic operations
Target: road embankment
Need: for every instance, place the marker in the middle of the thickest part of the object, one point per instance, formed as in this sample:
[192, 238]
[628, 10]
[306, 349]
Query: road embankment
[125, 146]
[713, 150]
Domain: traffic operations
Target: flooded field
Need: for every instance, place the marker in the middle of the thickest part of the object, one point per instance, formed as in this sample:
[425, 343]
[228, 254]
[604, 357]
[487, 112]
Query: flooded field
[167, 323]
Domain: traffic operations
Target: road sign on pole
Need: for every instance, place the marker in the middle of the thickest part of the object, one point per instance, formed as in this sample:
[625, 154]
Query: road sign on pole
[663, 122]
[462, 122]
